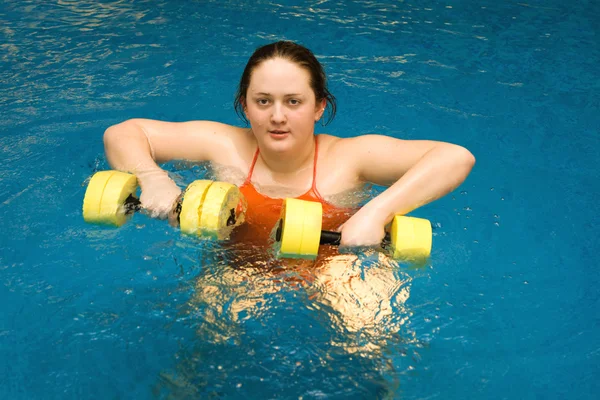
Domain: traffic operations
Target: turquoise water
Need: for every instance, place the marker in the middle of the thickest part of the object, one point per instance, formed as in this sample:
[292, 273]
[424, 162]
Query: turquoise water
[506, 308]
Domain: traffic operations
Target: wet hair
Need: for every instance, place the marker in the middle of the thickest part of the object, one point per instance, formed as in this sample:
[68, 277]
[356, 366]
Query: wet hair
[297, 54]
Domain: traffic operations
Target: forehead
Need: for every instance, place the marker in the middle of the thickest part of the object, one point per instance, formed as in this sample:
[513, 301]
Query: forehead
[278, 75]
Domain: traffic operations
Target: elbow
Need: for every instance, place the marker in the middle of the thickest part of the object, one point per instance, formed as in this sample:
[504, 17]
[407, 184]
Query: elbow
[111, 144]
[111, 138]
[110, 135]
[116, 132]
[118, 140]
[468, 159]
[464, 159]
[459, 159]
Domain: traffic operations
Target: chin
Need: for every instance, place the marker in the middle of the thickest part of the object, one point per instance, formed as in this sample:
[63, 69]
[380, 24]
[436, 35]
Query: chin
[282, 144]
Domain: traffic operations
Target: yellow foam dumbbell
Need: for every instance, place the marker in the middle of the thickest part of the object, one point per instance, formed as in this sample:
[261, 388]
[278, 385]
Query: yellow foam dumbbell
[206, 209]
[211, 209]
[110, 198]
[299, 233]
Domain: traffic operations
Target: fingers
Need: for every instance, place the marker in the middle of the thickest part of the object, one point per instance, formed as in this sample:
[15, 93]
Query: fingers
[173, 215]
[160, 207]
[361, 236]
[159, 196]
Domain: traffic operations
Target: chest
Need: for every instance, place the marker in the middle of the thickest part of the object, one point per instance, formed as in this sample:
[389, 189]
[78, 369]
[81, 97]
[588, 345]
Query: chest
[335, 183]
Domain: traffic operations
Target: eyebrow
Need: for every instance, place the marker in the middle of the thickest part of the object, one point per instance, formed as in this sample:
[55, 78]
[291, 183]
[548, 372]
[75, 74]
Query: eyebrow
[269, 94]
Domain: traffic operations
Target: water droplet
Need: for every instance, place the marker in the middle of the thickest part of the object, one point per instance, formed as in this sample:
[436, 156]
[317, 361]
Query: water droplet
[467, 208]
[496, 216]
[492, 189]
[502, 198]
[475, 241]
[497, 223]
[464, 192]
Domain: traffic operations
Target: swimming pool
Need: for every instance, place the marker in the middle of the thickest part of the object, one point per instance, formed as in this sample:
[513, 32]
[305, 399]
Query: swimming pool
[507, 306]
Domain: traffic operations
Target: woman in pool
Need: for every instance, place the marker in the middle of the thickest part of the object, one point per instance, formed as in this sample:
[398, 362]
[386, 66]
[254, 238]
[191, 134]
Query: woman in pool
[283, 93]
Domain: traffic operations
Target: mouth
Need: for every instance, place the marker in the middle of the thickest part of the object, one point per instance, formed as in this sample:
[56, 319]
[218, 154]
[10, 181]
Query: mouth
[278, 132]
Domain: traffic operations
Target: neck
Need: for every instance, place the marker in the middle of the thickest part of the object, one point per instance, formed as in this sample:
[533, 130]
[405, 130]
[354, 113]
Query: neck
[291, 161]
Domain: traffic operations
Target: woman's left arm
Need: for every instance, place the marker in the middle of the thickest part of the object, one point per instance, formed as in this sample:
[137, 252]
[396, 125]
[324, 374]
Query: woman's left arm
[416, 171]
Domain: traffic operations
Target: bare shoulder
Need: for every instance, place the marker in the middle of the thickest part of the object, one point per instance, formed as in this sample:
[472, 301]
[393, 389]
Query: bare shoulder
[346, 150]
[336, 174]
[227, 145]
[329, 145]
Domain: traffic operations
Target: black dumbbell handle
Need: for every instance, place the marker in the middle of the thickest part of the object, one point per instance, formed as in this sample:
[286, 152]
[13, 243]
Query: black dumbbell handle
[132, 204]
[333, 238]
[329, 237]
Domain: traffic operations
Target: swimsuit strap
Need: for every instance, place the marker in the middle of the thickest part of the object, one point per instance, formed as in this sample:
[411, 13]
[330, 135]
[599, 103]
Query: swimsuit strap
[251, 170]
[314, 180]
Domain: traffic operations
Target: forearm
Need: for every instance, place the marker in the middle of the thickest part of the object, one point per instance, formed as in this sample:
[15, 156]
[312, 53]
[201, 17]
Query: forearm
[128, 148]
[437, 173]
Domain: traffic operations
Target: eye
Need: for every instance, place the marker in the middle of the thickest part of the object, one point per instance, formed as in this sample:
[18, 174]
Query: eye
[294, 102]
[262, 102]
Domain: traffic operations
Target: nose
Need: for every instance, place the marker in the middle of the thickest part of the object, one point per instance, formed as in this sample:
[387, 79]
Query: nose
[278, 114]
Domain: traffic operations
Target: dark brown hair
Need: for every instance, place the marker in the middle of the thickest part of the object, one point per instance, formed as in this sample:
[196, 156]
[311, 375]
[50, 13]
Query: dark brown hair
[295, 53]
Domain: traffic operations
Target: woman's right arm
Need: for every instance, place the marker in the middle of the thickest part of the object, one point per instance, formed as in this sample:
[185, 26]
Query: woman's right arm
[139, 145]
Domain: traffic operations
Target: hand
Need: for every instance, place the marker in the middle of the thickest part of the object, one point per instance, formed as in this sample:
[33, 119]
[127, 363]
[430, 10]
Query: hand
[363, 229]
[159, 193]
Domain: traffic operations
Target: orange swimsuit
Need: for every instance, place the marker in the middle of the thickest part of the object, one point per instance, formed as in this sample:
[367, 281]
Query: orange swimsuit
[263, 212]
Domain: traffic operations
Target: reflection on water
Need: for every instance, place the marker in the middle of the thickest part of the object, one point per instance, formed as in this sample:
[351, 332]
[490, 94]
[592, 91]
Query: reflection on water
[363, 296]
[263, 310]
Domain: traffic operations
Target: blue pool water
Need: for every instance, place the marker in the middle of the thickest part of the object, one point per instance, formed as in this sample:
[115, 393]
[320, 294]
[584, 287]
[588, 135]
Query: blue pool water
[508, 306]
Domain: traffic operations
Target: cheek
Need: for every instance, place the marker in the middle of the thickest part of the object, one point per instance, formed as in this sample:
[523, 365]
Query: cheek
[252, 113]
[256, 118]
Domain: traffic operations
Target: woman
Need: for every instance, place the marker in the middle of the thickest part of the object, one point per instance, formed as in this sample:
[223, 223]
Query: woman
[283, 93]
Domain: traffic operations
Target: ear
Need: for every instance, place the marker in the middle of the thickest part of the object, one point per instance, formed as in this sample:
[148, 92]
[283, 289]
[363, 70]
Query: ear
[244, 106]
[320, 109]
